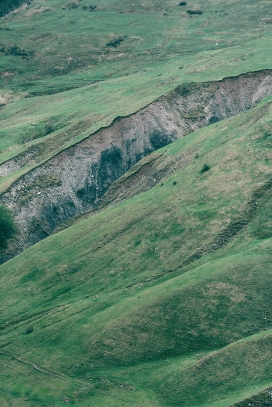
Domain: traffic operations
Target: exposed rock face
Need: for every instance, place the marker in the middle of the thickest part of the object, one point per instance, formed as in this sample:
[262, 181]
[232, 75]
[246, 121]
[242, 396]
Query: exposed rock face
[263, 399]
[76, 179]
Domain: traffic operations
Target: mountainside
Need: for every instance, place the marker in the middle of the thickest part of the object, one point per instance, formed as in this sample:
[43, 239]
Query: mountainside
[135, 307]
[135, 156]
[76, 179]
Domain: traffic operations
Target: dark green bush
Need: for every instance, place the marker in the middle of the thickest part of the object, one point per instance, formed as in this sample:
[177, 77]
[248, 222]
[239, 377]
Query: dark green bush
[29, 329]
[197, 12]
[88, 7]
[205, 168]
[7, 226]
[115, 42]
[49, 127]
[267, 133]
[182, 3]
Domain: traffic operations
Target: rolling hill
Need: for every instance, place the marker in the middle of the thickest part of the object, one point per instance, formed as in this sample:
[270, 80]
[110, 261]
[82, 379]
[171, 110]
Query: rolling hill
[148, 127]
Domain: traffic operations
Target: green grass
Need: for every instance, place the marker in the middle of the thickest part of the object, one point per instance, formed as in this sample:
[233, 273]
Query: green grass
[113, 307]
[163, 47]
[164, 299]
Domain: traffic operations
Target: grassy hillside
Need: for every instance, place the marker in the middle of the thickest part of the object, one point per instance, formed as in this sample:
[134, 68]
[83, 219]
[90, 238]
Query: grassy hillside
[68, 68]
[163, 297]
[161, 300]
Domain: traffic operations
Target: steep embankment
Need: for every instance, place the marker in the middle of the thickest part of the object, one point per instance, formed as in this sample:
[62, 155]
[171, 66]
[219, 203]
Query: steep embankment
[76, 179]
[171, 311]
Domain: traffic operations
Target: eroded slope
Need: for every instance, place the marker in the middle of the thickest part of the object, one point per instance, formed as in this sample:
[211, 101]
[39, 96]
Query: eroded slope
[76, 179]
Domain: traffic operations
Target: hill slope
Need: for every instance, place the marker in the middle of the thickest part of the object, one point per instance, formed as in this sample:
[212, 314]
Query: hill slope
[160, 294]
[75, 180]
[70, 69]
[118, 308]
[52, 46]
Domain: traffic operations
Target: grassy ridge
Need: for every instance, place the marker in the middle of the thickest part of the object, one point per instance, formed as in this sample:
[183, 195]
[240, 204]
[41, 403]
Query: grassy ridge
[113, 301]
[163, 46]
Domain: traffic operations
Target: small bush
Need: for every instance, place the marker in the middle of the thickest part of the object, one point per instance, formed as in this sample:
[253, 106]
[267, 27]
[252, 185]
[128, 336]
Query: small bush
[7, 226]
[174, 182]
[205, 168]
[267, 133]
[88, 7]
[49, 128]
[182, 3]
[197, 12]
[14, 50]
[29, 329]
[185, 90]
[115, 42]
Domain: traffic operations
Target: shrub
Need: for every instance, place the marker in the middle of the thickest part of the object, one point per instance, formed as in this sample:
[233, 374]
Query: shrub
[182, 3]
[267, 133]
[88, 7]
[115, 42]
[174, 182]
[29, 329]
[198, 12]
[49, 128]
[185, 90]
[205, 168]
[7, 226]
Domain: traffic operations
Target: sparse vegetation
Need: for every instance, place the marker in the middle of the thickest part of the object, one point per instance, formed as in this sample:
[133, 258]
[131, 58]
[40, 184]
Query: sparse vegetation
[16, 51]
[41, 182]
[89, 7]
[194, 114]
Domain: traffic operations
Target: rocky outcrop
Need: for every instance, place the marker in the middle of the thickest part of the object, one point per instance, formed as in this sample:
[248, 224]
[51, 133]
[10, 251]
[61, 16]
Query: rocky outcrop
[76, 179]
